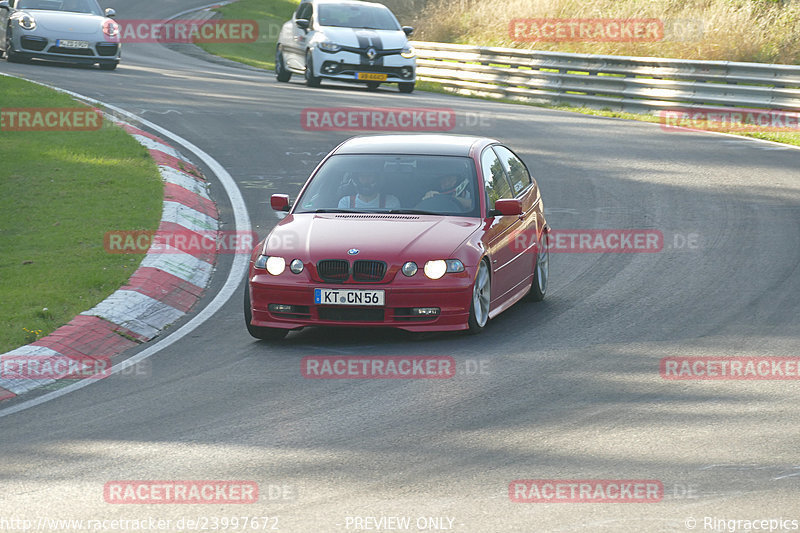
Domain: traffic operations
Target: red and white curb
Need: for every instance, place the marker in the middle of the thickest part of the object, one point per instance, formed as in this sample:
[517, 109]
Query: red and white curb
[160, 291]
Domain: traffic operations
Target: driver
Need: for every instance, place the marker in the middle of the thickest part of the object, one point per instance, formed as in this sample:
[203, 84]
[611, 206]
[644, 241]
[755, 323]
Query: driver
[449, 185]
[368, 194]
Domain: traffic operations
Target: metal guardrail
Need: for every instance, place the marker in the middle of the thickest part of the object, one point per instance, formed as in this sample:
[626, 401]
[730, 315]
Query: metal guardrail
[636, 84]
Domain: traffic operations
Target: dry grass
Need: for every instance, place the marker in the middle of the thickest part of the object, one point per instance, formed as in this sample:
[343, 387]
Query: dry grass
[765, 31]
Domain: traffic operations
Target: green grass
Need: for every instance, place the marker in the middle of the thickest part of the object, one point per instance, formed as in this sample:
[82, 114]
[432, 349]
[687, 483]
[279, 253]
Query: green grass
[270, 16]
[270, 13]
[59, 193]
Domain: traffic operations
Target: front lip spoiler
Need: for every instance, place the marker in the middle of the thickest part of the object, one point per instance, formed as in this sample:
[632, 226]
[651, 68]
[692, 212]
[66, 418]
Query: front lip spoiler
[84, 60]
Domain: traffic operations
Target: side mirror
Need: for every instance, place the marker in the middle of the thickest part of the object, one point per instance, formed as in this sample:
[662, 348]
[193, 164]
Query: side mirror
[408, 30]
[302, 23]
[508, 207]
[4, 5]
[279, 202]
[110, 13]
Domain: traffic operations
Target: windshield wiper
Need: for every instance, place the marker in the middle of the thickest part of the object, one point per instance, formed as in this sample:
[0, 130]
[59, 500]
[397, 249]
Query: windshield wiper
[336, 211]
[411, 212]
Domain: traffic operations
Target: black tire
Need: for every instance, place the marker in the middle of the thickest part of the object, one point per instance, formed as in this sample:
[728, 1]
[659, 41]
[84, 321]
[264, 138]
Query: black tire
[372, 85]
[110, 65]
[406, 87]
[280, 67]
[265, 334]
[541, 271]
[311, 80]
[481, 294]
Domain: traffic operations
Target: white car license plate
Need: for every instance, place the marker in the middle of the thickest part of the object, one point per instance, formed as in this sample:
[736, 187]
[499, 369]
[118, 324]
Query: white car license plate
[347, 297]
[66, 43]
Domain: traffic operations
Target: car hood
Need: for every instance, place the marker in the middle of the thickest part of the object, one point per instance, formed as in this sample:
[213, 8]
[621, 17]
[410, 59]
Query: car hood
[364, 38]
[392, 238]
[63, 22]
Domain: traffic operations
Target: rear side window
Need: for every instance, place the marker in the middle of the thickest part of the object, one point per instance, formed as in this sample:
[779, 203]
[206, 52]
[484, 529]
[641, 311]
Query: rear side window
[494, 178]
[515, 168]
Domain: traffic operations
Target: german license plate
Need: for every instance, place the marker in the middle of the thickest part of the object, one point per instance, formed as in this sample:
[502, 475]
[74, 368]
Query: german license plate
[66, 43]
[348, 297]
[371, 76]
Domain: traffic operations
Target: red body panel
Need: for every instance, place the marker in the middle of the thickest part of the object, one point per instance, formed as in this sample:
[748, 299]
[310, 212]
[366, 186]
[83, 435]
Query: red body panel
[396, 239]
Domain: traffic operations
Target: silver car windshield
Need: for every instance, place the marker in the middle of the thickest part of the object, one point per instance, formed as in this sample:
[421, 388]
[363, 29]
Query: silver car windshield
[355, 16]
[71, 6]
[391, 183]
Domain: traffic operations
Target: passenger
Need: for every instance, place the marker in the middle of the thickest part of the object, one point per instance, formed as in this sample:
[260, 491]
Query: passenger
[368, 195]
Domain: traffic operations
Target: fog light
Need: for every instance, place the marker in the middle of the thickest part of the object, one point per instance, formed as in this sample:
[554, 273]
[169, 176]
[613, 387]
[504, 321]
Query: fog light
[406, 72]
[331, 67]
[424, 311]
[280, 308]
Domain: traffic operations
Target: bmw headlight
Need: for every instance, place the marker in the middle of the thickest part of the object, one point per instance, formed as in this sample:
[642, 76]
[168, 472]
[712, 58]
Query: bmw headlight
[296, 266]
[273, 264]
[261, 262]
[454, 265]
[409, 268]
[437, 268]
[409, 52]
[276, 265]
[27, 21]
[328, 46]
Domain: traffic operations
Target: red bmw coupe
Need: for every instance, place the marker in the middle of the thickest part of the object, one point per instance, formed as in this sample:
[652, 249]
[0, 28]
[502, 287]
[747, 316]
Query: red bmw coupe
[418, 232]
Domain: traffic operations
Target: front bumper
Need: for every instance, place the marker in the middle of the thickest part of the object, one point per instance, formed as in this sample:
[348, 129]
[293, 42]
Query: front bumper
[45, 47]
[347, 65]
[451, 294]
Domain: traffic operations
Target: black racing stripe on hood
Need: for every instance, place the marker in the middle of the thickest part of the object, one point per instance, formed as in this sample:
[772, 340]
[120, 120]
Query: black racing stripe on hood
[369, 39]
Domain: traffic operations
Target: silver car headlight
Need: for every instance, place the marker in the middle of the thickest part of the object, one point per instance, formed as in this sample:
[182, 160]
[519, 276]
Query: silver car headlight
[26, 21]
[409, 52]
[328, 46]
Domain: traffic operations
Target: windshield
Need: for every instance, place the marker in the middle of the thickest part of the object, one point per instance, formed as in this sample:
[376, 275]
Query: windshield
[72, 6]
[412, 184]
[357, 16]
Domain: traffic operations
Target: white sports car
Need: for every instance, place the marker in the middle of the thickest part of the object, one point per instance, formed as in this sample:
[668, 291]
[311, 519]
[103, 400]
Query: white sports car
[75, 31]
[346, 40]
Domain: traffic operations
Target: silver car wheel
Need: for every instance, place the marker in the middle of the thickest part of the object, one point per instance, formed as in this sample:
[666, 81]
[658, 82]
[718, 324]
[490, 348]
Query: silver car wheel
[480, 295]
